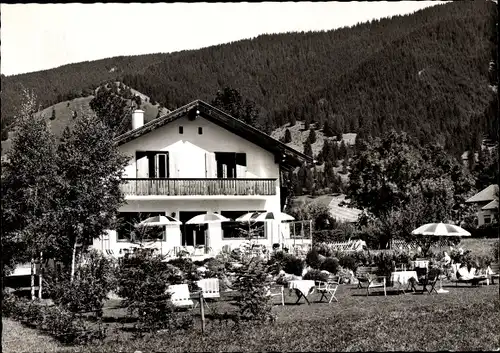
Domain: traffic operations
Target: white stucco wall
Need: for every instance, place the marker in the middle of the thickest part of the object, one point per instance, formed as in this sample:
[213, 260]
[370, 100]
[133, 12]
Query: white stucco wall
[189, 148]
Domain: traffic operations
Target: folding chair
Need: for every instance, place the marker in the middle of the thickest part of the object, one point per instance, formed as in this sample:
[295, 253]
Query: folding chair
[329, 287]
[276, 290]
[431, 280]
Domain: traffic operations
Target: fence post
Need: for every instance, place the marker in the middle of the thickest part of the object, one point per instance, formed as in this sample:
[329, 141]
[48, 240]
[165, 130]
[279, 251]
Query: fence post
[202, 312]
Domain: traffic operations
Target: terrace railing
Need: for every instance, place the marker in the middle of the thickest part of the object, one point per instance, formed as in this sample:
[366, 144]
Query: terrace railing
[198, 187]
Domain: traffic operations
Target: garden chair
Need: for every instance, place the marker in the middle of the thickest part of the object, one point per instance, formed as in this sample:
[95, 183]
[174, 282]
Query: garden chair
[180, 296]
[362, 274]
[375, 281]
[210, 289]
[493, 272]
[329, 287]
[431, 280]
[276, 290]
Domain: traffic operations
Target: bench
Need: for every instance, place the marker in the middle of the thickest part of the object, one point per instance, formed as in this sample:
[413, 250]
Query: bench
[369, 276]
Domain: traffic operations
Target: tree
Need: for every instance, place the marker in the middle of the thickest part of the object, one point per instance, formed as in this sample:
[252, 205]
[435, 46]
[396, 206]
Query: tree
[391, 172]
[53, 115]
[312, 136]
[230, 101]
[113, 110]
[308, 148]
[29, 179]
[90, 166]
[288, 136]
[327, 130]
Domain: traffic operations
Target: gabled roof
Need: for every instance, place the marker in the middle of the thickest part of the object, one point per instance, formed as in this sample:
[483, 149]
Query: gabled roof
[493, 205]
[287, 156]
[487, 194]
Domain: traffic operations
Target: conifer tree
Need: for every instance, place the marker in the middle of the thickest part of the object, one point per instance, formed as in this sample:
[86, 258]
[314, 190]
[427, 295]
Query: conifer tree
[288, 136]
[312, 136]
[53, 115]
[308, 148]
[327, 130]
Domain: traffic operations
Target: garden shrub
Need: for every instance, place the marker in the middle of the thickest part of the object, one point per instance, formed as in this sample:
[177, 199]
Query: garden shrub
[286, 262]
[251, 284]
[323, 249]
[331, 264]
[347, 261]
[313, 259]
[316, 275]
[92, 282]
[494, 251]
[67, 327]
[143, 280]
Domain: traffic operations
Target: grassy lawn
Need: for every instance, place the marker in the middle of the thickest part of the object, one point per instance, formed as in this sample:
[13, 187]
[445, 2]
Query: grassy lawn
[464, 319]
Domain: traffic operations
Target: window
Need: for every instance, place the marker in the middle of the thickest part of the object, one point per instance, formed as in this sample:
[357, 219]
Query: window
[200, 130]
[487, 219]
[126, 229]
[230, 164]
[181, 130]
[232, 230]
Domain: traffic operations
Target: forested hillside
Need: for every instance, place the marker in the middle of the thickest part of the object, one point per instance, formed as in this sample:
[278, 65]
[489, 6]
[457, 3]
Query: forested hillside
[429, 73]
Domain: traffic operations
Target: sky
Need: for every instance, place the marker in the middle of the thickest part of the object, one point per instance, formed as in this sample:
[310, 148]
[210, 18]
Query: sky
[42, 36]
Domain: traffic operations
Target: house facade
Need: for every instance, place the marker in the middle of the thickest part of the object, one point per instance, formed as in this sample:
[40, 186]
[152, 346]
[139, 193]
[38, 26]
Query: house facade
[196, 160]
[486, 202]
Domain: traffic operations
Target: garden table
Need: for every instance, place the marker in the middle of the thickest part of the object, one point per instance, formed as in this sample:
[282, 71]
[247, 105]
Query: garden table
[302, 288]
[403, 278]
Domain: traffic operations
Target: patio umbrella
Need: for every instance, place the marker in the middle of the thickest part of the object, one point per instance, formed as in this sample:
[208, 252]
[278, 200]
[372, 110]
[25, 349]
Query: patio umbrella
[247, 218]
[273, 216]
[158, 221]
[207, 218]
[441, 230]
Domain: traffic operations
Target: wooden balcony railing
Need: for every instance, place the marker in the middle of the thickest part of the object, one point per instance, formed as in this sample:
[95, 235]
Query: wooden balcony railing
[198, 187]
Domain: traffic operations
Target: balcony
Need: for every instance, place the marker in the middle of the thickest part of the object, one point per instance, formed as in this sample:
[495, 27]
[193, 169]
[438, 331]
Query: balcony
[198, 187]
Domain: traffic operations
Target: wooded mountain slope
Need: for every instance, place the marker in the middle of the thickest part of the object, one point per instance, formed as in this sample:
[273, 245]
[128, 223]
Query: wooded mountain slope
[428, 73]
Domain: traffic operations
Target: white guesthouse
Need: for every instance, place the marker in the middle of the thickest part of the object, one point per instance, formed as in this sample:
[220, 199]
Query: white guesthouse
[194, 160]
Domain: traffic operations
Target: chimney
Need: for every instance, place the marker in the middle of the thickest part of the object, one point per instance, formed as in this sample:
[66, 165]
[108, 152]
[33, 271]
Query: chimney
[137, 119]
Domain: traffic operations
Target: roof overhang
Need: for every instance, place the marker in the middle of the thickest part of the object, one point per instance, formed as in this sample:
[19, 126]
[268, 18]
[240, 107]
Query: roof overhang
[286, 156]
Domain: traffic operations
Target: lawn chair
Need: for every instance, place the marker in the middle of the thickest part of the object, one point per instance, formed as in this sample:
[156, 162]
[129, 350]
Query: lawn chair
[276, 290]
[362, 275]
[421, 278]
[431, 280]
[329, 287]
[375, 281]
[493, 272]
[180, 296]
[210, 289]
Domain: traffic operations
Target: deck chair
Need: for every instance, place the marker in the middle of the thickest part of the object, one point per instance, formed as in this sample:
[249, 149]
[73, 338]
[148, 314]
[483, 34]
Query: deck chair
[180, 296]
[109, 252]
[276, 290]
[329, 287]
[210, 289]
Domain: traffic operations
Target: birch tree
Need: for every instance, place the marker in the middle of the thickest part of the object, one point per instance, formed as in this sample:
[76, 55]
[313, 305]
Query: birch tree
[29, 178]
[90, 167]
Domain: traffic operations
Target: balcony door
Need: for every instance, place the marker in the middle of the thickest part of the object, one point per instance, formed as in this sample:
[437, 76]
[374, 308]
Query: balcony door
[152, 164]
